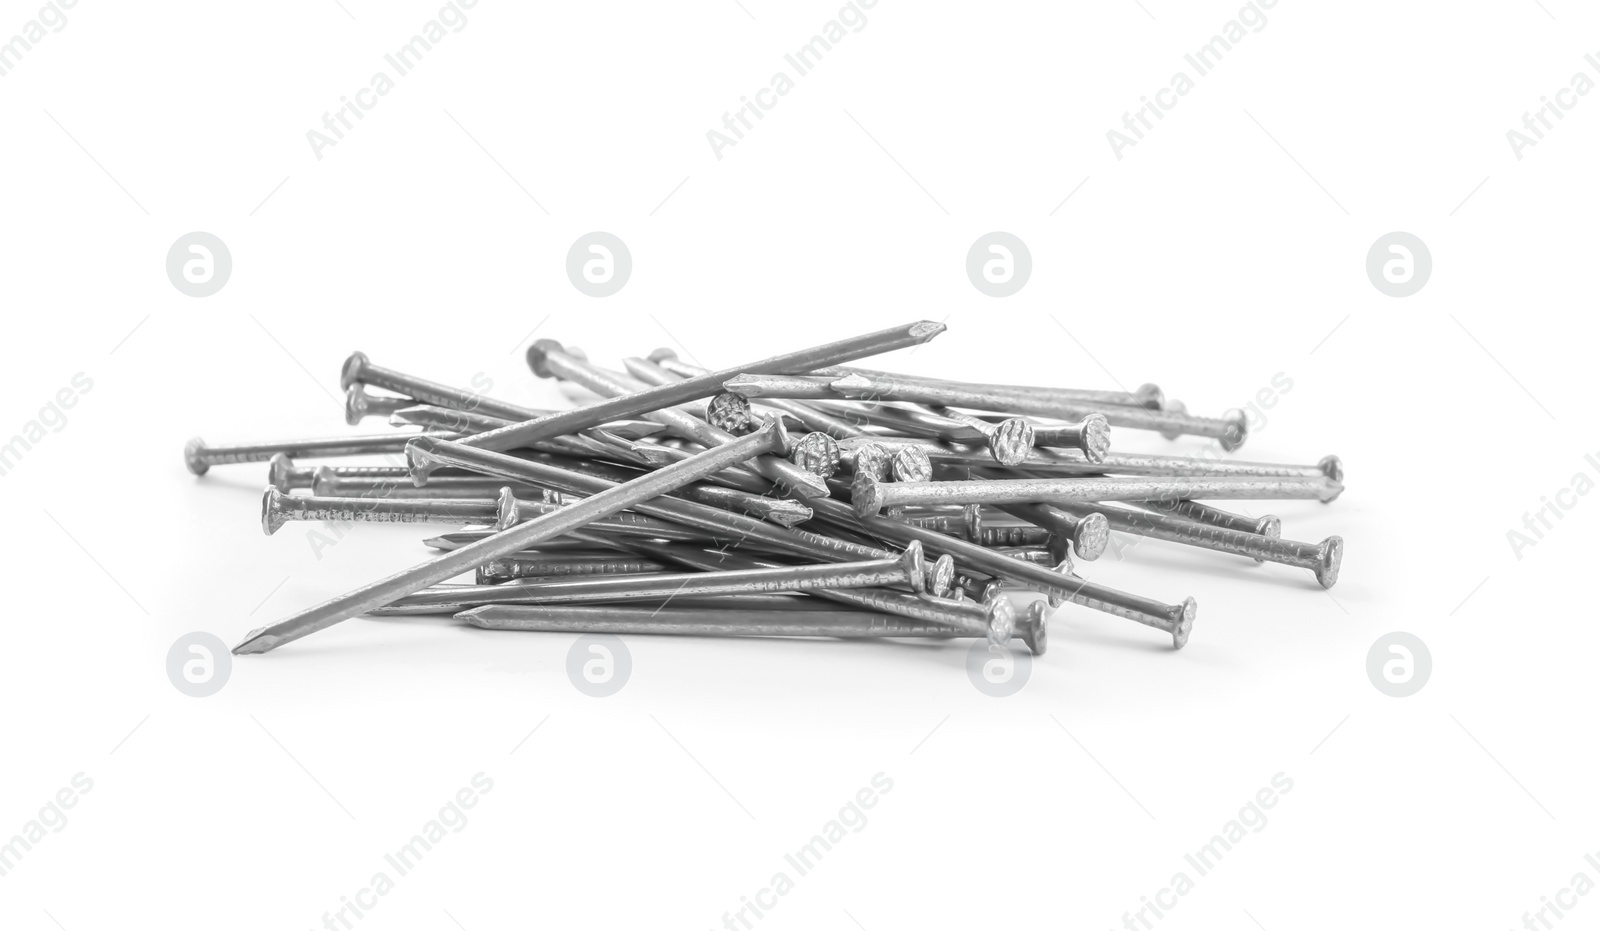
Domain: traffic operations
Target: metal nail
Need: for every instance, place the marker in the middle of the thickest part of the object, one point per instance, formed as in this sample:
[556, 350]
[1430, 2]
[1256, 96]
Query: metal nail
[871, 496]
[703, 386]
[553, 359]
[328, 483]
[1089, 533]
[509, 541]
[358, 369]
[994, 618]
[813, 419]
[1322, 559]
[1266, 526]
[546, 566]
[358, 404]
[277, 508]
[725, 527]
[1090, 436]
[1009, 441]
[1063, 462]
[1231, 429]
[1147, 395]
[815, 452]
[905, 569]
[200, 457]
[740, 622]
[1175, 619]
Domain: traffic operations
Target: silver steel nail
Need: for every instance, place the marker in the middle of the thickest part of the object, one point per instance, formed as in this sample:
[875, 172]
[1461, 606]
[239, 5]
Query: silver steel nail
[1322, 559]
[812, 418]
[200, 457]
[277, 508]
[284, 475]
[751, 384]
[622, 525]
[639, 402]
[871, 496]
[729, 412]
[328, 483]
[598, 442]
[1009, 441]
[545, 566]
[785, 512]
[1266, 526]
[444, 418]
[1089, 533]
[994, 619]
[543, 527]
[737, 622]
[358, 369]
[1090, 436]
[910, 464]
[906, 420]
[452, 598]
[649, 373]
[359, 404]
[869, 459]
[1174, 619]
[551, 358]
[1147, 395]
[724, 527]
[968, 524]
[1072, 463]
[905, 569]
[1231, 429]
[817, 453]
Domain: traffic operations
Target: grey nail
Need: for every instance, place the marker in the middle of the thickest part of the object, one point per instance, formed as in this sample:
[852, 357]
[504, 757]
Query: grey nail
[277, 508]
[546, 566]
[1267, 525]
[509, 541]
[553, 359]
[905, 569]
[200, 457]
[639, 402]
[725, 527]
[742, 622]
[358, 404]
[871, 496]
[1322, 559]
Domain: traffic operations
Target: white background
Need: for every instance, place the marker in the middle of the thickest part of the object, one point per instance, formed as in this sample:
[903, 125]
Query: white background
[1227, 247]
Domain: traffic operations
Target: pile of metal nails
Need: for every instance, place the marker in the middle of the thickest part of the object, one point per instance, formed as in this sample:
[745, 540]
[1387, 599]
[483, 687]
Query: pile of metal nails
[785, 497]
